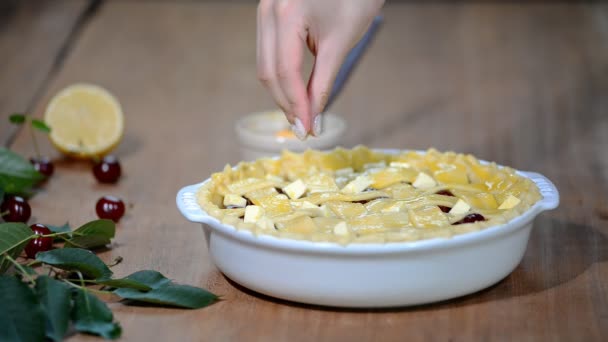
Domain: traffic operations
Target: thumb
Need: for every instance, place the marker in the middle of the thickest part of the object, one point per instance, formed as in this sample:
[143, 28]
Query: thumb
[326, 66]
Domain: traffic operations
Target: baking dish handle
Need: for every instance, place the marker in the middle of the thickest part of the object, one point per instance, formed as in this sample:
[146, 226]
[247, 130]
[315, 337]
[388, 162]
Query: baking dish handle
[547, 189]
[188, 206]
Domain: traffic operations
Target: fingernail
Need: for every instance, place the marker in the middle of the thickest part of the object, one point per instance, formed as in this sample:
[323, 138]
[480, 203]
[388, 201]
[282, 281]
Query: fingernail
[298, 129]
[317, 125]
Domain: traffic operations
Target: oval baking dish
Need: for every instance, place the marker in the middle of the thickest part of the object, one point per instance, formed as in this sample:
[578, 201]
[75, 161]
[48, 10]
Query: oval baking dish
[369, 275]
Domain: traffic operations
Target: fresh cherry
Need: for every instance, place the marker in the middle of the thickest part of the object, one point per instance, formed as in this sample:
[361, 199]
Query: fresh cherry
[107, 170]
[15, 209]
[110, 207]
[39, 244]
[43, 165]
[471, 218]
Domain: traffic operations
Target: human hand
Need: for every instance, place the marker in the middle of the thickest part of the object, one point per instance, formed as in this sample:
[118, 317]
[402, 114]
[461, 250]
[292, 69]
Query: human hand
[330, 28]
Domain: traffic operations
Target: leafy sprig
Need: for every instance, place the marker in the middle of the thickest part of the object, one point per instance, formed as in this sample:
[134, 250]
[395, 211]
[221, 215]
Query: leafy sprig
[35, 124]
[36, 306]
[17, 175]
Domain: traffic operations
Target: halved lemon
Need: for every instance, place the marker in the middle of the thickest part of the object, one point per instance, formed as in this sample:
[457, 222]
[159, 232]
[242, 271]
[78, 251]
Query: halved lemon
[86, 121]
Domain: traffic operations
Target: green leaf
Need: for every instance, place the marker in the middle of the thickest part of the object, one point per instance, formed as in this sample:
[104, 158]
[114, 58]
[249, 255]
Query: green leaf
[17, 175]
[93, 234]
[21, 315]
[141, 280]
[124, 283]
[153, 279]
[29, 271]
[17, 118]
[76, 259]
[56, 301]
[183, 296]
[93, 316]
[106, 228]
[41, 126]
[165, 293]
[60, 229]
[13, 234]
[87, 242]
[13, 238]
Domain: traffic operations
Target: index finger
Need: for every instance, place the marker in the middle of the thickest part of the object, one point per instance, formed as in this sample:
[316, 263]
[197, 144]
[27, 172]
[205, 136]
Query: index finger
[291, 36]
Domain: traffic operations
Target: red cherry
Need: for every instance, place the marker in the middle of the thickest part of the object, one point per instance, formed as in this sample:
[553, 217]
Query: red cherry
[39, 244]
[107, 170]
[15, 209]
[471, 218]
[110, 207]
[43, 165]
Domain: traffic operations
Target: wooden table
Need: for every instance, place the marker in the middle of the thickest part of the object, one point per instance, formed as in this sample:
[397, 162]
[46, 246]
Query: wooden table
[524, 85]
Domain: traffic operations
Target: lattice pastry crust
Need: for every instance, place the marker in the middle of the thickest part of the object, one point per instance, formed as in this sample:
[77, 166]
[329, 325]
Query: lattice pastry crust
[361, 195]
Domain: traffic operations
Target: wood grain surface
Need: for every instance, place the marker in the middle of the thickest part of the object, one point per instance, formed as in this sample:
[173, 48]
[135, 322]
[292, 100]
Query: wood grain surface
[33, 37]
[521, 84]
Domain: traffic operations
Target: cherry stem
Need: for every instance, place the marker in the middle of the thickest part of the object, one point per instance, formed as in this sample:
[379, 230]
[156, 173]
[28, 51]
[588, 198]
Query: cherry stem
[117, 261]
[54, 234]
[81, 280]
[84, 288]
[4, 213]
[34, 140]
[20, 269]
[33, 263]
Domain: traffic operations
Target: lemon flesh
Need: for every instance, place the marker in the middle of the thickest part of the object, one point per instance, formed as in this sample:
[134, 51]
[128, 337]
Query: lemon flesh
[86, 121]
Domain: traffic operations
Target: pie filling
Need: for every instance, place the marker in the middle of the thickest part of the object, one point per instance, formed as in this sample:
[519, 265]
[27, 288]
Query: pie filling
[361, 195]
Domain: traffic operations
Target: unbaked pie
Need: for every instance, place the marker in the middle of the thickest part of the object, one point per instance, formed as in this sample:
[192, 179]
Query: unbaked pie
[361, 195]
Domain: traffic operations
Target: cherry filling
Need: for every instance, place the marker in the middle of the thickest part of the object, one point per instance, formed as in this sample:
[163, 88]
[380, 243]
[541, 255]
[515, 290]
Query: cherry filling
[471, 218]
[445, 192]
[444, 208]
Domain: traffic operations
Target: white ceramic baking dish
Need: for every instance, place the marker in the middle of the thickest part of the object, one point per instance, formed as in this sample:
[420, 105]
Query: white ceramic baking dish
[369, 275]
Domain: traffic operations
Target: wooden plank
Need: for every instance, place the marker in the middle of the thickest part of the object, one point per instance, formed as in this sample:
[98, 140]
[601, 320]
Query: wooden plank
[520, 84]
[32, 36]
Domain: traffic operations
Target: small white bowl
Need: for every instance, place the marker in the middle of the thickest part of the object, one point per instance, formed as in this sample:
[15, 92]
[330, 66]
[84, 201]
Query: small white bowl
[369, 275]
[258, 134]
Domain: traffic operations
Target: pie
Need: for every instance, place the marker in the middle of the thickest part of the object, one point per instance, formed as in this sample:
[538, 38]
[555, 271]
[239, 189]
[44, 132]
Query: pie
[365, 196]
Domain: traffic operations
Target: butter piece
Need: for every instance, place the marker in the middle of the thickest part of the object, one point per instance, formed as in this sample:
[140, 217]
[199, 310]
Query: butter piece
[295, 190]
[274, 178]
[344, 172]
[400, 164]
[461, 207]
[265, 223]
[308, 205]
[393, 208]
[341, 229]
[424, 181]
[379, 165]
[253, 213]
[232, 200]
[509, 203]
[357, 185]
[326, 212]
